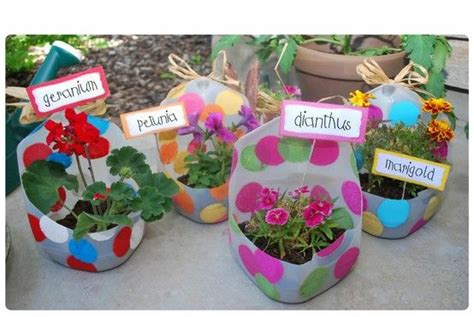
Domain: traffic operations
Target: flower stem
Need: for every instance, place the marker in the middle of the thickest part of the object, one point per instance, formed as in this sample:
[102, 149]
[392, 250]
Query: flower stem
[67, 208]
[80, 170]
[86, 148]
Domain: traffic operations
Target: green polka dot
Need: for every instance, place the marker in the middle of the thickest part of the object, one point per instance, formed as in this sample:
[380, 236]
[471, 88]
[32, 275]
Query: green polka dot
[314, 282]
[233, 225]
[266, 287]
[249, 160]
[294, 150]
[354, 165]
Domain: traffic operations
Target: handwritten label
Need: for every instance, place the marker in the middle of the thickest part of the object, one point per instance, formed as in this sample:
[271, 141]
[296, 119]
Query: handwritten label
[410, 169]
[153, 120]
[315, 120]
[67, 92]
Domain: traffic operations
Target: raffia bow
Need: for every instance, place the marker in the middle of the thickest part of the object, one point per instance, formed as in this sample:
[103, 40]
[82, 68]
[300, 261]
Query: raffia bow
[373, 74]
[27, 116]
[181, 68]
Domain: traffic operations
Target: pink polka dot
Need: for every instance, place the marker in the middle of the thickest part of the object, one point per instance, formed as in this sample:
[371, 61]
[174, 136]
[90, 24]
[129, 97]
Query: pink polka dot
[192, 102]
[36, 151]
[365, 204]
[345, 262]
[332, 247]
[270, 267]
[375, 115]
[266, 150]
[420, 223]
[319, 192]
[324, 152]
[246, 256]
[352, 196]
[235, 159]
[246, 200]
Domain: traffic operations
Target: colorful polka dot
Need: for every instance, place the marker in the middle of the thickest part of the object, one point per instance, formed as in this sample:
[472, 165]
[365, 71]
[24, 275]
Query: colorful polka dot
[60, 158]
[137, 234]
[270, 267]
[432, 208]
[79, 265]
[208, 110]
[324, 152]
[246, 200]
[53, 231]
[266, 287]
[365, 203]
[332, 247]
[319, 192]
[420, 223]
[59, 203]
[34, 152]
[122, 241]
[405, 111]
[231, 101]
[167, 136]
[345, 262]
[179, 164]
[375, 115]
[314, 282]
[266, 150]
[294, 150]
[359, 159]
[371, 224]
[352, 196]
[184, 201]
[213, 213]
[246, 256]
[168, 152]
[249, 160]
[192, 102]
[102, 235]
[83, 250]
[100, 124]
[393, 212]
[220, 192]
[35, 228]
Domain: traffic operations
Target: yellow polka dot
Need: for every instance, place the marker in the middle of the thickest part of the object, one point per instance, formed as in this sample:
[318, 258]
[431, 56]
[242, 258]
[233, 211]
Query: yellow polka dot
[179, 165]
[371, 224]
[433, 207]
[230, 101]
[177, 91]
[167, 136]
[213, 213]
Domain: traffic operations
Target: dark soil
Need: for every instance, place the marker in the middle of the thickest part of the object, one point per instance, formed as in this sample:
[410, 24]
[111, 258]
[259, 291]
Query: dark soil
[390, 188]
[82, 206]
[184, 179]
[295, 256]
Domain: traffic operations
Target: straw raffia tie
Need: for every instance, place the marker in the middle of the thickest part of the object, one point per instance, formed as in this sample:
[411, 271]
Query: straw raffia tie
[181, 68]
[27, 116]
[373, 74]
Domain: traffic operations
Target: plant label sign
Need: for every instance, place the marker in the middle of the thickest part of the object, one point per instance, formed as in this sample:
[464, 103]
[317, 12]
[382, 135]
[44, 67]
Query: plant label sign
[154, 120]
[323, 121]
[69, 91]
[410, 169]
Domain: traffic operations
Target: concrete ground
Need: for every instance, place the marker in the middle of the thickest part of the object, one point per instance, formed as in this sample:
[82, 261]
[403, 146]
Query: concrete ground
[185, 265]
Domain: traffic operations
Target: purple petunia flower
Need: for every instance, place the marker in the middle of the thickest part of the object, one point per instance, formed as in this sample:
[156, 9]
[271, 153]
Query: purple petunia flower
[214, 124]
[248, 118]
[193, 127]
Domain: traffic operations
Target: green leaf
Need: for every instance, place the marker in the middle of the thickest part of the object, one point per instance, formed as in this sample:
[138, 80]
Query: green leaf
[341, 218]
[442, 51]
[92, 189]
[86, 222]
[288, 57]
[224, 42]
[127, 162]
[452, 119]
[466, 130]
[165, 185]
[83, 226]
[326, 230]
[41, 181]
[435, 84]
[420, 48]
[150, 202]
[121, 191]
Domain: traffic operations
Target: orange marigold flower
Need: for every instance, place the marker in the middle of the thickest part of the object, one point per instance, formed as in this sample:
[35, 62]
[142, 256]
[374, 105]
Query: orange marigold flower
[440, 131]
[437, 105]
[360, 99]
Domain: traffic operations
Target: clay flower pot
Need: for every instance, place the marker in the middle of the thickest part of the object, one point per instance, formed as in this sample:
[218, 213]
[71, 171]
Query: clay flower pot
[322, 72]
[203, 205]
[262, 158]
[398, 218]
[95, 252]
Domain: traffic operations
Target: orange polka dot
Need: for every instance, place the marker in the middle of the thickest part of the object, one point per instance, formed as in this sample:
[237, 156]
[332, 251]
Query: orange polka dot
[167, 135]
[220, 192]
[210, 109]
[168, 152]
[184, 201]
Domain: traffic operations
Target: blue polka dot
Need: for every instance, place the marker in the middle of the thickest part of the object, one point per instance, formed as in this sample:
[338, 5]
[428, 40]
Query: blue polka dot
[135, 194]
[393, 212]
[359, 158]
[60, 158]
[406, 112]
[83, 250]
[101, 124]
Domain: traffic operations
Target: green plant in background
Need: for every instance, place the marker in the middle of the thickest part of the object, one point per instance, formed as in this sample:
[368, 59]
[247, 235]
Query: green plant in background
[413, 141]
[20, 58]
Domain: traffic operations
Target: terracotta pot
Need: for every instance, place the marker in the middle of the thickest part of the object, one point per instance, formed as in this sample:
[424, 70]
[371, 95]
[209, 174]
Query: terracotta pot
[321, 71]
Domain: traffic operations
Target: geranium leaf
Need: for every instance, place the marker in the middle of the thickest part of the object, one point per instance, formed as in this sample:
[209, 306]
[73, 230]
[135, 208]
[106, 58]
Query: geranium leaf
[41, 182]
[150, 203]
[83, 226]
[121, 191]
[342, 218]
[92, 189]
[86, 222]
[127, 162]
